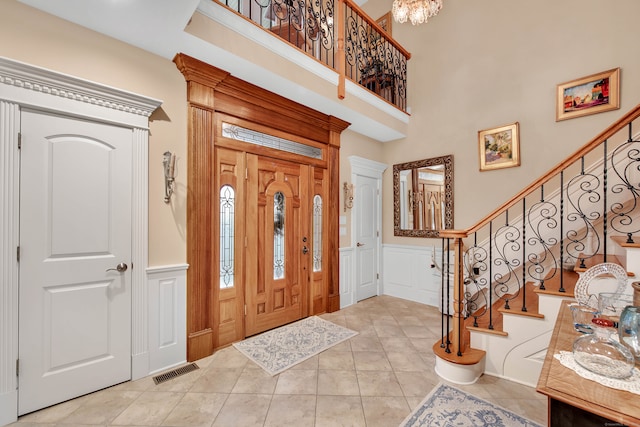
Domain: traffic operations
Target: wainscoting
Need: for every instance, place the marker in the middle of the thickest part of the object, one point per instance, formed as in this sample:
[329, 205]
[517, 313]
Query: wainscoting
[407, 273]
[167, 317]
[347, 278]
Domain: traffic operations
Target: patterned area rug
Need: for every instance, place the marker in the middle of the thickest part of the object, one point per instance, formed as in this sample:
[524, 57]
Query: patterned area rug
[279, 349]
[447, 406]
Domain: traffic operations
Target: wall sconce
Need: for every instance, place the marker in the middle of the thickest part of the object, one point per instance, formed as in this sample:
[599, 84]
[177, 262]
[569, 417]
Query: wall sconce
[169, 167]
[348, 196]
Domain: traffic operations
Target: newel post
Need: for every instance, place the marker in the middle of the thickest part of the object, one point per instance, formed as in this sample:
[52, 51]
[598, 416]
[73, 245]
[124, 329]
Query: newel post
[456, 340]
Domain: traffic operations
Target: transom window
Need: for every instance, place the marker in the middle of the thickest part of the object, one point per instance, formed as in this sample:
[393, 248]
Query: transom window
[258, 138]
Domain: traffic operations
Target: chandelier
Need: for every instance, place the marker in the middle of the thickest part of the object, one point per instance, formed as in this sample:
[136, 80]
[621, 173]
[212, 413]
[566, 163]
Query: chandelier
[418, 11]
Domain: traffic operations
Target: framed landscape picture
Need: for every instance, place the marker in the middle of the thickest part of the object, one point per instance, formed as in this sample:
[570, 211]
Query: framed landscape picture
[588, 95]
[499, 147]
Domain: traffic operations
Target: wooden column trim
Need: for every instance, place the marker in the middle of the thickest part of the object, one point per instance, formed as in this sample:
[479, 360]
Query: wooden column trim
[336, 126]
[200, 160]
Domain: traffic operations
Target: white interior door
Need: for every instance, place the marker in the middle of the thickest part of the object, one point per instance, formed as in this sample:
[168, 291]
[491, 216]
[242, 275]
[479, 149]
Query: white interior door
[367, 236]
[75, 229]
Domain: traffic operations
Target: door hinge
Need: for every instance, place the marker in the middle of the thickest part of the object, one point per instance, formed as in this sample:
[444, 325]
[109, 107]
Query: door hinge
[19, 140]
[17, 367]
[377, 275]
[245, 309]
[246, 173]
[18, 253]
[377, 234]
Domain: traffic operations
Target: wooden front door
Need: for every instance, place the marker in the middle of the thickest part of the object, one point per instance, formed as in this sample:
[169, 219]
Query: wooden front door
[215, 303]
[277, 247]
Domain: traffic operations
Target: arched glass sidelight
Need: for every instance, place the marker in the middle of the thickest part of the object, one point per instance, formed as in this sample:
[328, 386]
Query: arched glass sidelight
[227, 234]
[278, 235]
[317, 233]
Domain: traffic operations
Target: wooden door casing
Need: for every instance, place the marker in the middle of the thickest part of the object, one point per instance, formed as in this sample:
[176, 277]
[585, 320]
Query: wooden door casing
[211, 91]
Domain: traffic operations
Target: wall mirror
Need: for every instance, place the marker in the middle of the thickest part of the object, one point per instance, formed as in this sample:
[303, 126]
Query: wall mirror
[423, 197]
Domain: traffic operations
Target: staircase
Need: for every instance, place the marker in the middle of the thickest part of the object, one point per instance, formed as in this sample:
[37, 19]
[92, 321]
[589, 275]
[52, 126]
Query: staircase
[512, 270]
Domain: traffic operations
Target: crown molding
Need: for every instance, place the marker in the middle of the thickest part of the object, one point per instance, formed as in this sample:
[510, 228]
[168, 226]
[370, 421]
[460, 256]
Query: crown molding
[47, 82]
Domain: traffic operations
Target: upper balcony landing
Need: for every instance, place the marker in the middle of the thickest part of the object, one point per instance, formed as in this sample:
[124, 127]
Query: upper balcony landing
[210, 32]
[275, 61]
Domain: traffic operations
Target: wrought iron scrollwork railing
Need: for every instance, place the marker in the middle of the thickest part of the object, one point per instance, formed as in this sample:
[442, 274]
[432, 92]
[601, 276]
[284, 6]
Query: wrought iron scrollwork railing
[566, 218]
[349, 42]
[373, 60]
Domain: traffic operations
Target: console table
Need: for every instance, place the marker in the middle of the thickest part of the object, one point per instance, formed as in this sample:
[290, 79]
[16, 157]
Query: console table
[577, 401]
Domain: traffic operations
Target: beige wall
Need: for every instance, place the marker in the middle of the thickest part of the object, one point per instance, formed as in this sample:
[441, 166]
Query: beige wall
[353, 144]
[466, 74]
[483, 64]
[40, 39]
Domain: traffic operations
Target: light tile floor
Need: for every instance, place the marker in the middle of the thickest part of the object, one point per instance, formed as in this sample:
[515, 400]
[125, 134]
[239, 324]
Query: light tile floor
[373, 380]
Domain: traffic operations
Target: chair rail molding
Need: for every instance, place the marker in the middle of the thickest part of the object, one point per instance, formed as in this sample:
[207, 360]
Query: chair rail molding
[23, 85]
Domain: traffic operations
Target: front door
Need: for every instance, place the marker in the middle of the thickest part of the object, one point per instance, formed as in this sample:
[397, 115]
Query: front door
[75, 252]
[278, 242]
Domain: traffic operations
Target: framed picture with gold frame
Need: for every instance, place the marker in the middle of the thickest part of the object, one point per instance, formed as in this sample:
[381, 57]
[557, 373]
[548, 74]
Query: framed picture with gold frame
[588, 95]
[385, 22]
[499, 147]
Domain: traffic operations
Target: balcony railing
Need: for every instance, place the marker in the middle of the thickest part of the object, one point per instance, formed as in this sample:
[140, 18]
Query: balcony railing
[339, 35]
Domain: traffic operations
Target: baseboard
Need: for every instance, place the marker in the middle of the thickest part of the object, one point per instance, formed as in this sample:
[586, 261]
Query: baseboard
[166, 368]
[8, 407]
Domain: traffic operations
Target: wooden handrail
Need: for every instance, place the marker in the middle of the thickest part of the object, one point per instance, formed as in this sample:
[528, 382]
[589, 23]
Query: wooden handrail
[377, 27]
[604, 135]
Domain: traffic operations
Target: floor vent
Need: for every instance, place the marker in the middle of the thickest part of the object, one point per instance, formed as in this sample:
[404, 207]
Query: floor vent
[175, 373]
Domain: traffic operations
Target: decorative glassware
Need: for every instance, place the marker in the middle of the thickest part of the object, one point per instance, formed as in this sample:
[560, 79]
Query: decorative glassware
[628, 328]
[600, 353]
[582, 317]
[611, 304]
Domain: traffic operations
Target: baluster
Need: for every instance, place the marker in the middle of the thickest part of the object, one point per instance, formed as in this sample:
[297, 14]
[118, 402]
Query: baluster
[562, 190]
[490, 285]
[524, 250]
[604, 201]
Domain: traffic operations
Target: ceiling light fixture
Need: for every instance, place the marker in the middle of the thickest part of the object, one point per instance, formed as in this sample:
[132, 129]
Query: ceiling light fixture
[417, 11]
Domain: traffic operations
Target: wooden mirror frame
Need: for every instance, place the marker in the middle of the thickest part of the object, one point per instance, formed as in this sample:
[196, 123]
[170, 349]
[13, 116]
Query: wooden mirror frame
[447, 161]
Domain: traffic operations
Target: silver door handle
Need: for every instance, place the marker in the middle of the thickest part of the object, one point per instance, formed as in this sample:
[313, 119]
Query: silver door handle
[359, 244]
[121, 268]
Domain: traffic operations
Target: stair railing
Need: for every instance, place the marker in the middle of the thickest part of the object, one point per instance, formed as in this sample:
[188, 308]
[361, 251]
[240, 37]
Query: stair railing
[563, 220]
[340, 35]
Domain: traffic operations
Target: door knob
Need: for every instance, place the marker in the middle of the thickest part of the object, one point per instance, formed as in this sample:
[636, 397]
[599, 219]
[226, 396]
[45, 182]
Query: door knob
[121, 268]
[359, 244]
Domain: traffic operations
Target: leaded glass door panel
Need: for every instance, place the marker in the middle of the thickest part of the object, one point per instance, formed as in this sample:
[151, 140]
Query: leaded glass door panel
[278, 243]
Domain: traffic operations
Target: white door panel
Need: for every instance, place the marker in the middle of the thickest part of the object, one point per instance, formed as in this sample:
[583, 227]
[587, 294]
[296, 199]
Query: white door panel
[75, 224]
[366, 237]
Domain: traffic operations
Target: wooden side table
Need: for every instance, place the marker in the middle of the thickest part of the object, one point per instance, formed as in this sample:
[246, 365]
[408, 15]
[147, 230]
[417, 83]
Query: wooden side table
[577, 401]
